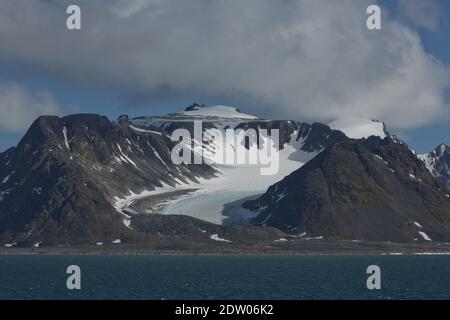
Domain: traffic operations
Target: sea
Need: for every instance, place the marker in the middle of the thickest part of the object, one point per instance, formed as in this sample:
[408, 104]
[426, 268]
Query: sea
[223, 277]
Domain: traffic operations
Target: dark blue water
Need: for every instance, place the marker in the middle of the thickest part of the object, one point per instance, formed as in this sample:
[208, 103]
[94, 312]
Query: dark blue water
[224, 277]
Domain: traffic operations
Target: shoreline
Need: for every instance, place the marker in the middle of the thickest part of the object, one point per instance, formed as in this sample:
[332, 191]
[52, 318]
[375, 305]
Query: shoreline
[139, 251]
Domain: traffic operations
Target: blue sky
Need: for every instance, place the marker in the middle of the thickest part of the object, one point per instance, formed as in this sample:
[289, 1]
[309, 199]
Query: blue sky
[76, 92]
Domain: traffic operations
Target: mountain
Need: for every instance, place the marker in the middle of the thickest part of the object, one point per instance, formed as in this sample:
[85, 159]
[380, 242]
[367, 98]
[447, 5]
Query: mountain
[438, 162]
[369, 190]
[83, 179]
[59, 184]
[298, 143]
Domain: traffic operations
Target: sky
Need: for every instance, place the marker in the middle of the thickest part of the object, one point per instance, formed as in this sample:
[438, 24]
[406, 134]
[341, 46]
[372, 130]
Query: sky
[307, 60]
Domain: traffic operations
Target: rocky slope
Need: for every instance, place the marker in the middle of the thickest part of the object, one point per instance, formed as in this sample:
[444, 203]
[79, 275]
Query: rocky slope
[438, 162]
[58, 185]
[370, 190]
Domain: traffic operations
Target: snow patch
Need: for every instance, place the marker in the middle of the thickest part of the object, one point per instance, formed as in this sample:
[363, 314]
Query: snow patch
[418, 224]
[425, 236]
[216, 237]
[357, 128]
[5, 180]
[125, 158]
[219, 111]
[66, 141]
[145, 131]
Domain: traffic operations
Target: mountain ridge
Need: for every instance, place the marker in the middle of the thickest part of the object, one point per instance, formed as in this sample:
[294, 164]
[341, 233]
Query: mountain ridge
[74, 180]
[368, 190]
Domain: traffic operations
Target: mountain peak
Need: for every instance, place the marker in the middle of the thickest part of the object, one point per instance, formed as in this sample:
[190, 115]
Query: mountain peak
[219, 111]
[442, 149]
[359, 128]
[195, 106]
[438, 163]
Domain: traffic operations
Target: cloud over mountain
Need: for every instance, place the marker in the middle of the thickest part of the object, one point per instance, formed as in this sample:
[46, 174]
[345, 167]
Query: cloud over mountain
[19, 107]
[307, 59]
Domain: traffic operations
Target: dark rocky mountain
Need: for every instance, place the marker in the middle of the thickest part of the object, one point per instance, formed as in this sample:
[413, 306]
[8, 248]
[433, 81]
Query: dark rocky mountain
[438, 162]
[370, 189]
[60, 184]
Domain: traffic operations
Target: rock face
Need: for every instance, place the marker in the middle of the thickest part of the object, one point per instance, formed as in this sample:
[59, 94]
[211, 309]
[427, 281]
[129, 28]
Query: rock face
[371, 190]
[438, 162]
[58, 185]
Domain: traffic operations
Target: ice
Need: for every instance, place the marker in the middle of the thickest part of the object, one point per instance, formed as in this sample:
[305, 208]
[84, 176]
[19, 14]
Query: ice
[125, 158]
[428, 160]
[66, 141]
[234, 183]
[219, 111]
[216, 237]
[315, 238]
[145, 131]
[5, 180]
[418, 224]
[358, 128]
[158, 156]
[425, 236]
[10, 245]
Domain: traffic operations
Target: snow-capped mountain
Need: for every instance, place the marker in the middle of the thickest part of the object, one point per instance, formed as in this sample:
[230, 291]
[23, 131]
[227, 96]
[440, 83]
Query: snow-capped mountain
[218, 200]
[85, 179]
[438, 162]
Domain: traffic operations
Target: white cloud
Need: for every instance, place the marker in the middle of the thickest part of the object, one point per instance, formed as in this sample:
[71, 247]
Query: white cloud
[20, 107]
[311, 60]
[423, 13]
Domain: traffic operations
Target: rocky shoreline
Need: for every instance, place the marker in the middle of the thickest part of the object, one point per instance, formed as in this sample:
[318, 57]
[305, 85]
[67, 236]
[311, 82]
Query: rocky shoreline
[288, 248]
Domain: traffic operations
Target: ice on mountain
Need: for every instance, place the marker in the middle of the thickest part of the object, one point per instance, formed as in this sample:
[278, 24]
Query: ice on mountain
[357, 128]
[425, 236]
[216, 237]
[219, 111]
[5, 180]
[66, 141]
